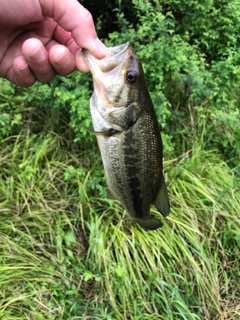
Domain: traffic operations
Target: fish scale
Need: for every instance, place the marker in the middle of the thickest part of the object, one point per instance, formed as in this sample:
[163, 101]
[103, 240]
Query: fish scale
[128, 135]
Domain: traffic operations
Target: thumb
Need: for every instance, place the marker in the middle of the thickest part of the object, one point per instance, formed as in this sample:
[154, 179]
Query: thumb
[73, 17]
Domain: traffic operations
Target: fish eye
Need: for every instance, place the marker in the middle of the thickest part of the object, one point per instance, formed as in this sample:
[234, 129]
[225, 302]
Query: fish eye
[131, 76]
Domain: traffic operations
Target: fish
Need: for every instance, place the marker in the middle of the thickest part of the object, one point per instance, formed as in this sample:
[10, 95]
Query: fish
[128, 135]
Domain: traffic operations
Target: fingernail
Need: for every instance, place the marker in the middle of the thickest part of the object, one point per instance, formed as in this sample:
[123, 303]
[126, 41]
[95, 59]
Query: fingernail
[101, 47]
[38, 56]
[25, 69]
[62, 60]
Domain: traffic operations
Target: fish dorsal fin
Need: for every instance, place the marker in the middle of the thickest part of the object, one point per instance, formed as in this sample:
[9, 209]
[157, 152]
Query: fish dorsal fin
[162, 202]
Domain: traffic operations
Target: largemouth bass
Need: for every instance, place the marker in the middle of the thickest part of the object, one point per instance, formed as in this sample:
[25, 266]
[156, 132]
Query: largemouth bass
[128, 135]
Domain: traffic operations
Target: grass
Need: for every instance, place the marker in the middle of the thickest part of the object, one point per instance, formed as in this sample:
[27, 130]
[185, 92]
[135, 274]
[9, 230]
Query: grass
[66, 252]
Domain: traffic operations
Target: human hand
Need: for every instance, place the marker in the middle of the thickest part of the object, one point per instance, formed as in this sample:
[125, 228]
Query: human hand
[42, 38]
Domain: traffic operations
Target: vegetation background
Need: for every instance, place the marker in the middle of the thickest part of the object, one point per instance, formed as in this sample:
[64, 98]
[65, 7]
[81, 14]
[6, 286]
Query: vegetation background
[65, 250]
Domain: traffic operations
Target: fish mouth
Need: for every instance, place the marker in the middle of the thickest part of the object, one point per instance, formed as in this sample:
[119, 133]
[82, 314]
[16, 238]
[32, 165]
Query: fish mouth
[116, 56]
[109, 75]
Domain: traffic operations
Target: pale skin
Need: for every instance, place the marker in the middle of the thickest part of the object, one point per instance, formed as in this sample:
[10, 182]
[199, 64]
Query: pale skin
[42, 38]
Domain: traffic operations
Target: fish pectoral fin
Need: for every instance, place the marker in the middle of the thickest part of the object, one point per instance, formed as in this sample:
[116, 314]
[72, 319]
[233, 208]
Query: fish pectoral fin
[109, 195]
[162, 201]
[107, 133]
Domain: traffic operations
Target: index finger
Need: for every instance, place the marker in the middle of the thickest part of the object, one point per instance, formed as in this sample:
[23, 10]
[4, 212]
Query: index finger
[73, 17]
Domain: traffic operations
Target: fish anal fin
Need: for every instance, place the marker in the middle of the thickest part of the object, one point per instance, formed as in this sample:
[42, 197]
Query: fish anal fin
[162, 201]
[109, 195]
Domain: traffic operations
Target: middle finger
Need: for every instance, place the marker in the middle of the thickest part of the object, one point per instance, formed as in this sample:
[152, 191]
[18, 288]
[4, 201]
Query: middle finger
[37, 57]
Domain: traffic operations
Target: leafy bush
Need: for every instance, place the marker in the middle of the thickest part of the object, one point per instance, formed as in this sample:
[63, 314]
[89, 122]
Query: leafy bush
[11, 106]
[57, 106]
[67, 99]
[188, 70]
[212, 26]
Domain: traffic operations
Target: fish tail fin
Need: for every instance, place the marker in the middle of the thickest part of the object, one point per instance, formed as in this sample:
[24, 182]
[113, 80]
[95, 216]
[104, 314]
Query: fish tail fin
[147, 224]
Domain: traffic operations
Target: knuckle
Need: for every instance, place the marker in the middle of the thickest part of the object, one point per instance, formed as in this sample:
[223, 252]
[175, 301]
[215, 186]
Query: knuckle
[86, 15]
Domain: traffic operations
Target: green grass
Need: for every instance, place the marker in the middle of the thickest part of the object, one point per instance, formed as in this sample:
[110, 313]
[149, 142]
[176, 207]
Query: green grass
[66, 252]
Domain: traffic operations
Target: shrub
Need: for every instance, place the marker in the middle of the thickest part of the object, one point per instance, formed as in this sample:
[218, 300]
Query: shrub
[11, 106]
[189, 51]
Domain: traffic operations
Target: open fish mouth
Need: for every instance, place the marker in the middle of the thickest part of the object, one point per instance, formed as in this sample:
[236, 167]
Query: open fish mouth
[109, 75]
[116, 56]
